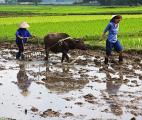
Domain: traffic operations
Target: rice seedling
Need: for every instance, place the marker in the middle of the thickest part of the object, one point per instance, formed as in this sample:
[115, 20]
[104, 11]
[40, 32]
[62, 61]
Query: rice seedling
[89, 27]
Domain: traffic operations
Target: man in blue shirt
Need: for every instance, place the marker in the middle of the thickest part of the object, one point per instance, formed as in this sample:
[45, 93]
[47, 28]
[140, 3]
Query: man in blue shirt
[112, 41]
[22, 34]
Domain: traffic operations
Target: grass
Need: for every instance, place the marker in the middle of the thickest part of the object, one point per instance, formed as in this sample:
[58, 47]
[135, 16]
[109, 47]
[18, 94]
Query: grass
[128, 43]
[60, 10]
[89, 27]
[4, 119]
[76, 26]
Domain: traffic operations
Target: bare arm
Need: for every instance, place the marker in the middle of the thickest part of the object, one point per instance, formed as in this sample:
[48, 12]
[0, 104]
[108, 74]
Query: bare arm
[104, 33]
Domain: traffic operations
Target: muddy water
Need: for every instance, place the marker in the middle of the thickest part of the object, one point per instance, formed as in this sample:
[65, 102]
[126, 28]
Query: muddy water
[84, 89]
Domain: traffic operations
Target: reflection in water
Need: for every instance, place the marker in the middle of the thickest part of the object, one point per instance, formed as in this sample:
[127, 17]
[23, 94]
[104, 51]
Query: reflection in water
[112, 87]
[23, 82]
[113, 84]
[62, 81]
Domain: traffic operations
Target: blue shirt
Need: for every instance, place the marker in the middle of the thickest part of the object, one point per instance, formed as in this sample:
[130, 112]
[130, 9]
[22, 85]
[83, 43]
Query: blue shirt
[112, 28]
[22, 32]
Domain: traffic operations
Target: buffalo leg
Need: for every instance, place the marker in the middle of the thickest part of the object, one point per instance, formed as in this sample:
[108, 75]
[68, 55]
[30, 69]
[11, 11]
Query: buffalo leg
[47, 54]
[67, 57]
[63, 56]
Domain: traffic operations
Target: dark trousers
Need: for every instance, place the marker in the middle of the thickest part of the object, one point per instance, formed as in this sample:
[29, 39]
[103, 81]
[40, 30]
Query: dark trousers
[20, 51]
[109, 46]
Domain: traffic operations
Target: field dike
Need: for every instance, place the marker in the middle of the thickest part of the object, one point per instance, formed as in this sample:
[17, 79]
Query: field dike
[84, 89]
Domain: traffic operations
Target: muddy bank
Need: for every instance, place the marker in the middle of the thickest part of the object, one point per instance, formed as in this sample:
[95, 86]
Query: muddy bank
[84, 89]
[30, 13]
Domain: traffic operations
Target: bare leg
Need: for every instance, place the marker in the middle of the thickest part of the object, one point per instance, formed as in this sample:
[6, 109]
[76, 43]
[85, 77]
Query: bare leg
[106, 59]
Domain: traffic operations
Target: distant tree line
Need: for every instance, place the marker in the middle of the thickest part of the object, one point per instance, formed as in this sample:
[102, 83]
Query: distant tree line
[29, 0]
[10, 1]
[19, 1]
[99, 2]
[115, 2]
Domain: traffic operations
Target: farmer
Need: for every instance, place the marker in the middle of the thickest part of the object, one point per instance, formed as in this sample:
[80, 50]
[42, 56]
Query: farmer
[112, 41]
[22, 34]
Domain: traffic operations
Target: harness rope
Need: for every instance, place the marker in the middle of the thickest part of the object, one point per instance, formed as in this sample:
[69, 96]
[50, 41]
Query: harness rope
[60, 41]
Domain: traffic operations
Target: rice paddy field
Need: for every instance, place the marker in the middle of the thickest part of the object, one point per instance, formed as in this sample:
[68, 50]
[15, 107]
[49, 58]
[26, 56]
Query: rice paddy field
[83, 89]
[78, 21]
[71, 9]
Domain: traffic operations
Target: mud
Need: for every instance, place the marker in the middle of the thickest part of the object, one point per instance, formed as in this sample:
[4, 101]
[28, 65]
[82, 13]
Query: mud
[84, 89]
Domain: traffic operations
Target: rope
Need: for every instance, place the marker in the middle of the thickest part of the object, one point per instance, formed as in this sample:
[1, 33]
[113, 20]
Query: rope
[65, 39]
[60, 41]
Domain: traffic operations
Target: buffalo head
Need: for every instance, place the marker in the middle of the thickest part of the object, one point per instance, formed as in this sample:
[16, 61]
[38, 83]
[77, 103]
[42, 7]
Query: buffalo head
[79, 43]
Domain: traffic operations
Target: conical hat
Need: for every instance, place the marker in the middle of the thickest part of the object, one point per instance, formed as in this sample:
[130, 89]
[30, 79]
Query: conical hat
[24, 25]
[113, 16]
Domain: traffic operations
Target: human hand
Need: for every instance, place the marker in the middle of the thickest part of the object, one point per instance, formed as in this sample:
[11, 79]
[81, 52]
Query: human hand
[102, 37]
[20, 37]
[33, 36]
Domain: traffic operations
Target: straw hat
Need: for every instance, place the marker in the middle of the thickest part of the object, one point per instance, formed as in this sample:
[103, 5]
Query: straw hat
[113, 16]
[24, 25]
[118, 16]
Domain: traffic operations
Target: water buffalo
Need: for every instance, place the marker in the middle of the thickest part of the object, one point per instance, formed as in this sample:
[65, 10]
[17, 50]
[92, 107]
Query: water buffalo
[61, 42]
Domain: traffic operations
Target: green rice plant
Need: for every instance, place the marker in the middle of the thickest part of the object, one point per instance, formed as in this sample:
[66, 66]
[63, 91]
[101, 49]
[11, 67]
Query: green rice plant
[69, 9]
[132, 43]
[4, 119]
[75, 25]
[89, 27]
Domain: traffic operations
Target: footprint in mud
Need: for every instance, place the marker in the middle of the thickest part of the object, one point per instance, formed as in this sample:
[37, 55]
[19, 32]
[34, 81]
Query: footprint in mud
[50, 113]
[2, 67]
[90, 98]
[68, 114]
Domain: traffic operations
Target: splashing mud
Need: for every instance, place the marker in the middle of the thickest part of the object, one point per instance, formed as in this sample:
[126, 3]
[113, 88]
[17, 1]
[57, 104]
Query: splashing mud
[84, 89]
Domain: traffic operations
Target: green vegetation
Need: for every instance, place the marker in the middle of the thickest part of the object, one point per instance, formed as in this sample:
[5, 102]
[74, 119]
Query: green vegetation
[89, 27]
[63, 10]
[4, 119]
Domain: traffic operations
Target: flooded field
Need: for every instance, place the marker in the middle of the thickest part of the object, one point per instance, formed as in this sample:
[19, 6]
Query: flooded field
[84, 89]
